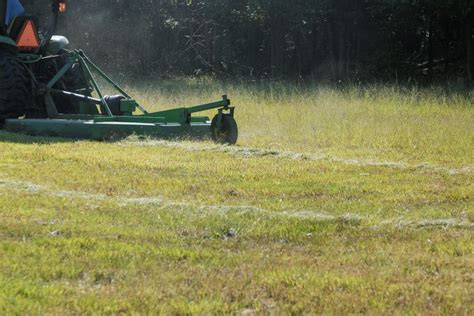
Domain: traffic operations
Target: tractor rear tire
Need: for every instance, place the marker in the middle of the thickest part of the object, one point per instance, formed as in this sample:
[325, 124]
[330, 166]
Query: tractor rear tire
[15, 90]
[228, 133]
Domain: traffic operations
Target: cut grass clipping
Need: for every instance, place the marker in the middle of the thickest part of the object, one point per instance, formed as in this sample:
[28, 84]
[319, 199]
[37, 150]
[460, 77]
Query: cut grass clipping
[335, 201]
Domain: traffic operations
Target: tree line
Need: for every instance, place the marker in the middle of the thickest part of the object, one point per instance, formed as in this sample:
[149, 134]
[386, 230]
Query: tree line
[336, 40]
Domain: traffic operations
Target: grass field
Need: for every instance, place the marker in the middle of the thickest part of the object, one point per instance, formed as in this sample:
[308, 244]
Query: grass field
[348, 200]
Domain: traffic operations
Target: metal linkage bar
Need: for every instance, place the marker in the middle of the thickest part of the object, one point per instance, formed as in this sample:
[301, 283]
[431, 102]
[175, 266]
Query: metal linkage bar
[108, 79]
[76, 96]
[62, 72]
[225, 102]
[88, 72]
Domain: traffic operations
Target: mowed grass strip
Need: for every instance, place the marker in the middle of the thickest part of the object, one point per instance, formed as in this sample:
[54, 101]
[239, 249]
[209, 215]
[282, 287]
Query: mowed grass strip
[382, 223]
[74, 255]
[216, 178]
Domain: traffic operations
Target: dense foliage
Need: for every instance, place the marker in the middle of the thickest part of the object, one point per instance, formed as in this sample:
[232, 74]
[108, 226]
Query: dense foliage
[421, 40]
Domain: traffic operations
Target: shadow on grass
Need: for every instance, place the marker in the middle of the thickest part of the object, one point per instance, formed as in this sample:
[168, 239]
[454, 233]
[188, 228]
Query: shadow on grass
[8, 137]
[18, 138]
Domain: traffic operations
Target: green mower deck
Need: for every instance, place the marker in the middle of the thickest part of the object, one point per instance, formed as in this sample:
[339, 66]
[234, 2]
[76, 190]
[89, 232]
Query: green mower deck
[115, 117]
[59, 92]
[89, 129]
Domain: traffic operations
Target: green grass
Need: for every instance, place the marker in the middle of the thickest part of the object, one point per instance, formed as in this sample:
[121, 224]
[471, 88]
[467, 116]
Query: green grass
[375, 122]
[334, 201]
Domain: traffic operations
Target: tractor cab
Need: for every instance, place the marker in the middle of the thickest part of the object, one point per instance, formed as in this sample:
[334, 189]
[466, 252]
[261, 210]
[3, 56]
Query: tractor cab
[30, 25]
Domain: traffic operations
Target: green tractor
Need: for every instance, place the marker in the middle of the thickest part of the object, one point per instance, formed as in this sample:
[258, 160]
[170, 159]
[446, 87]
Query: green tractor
[47, 89]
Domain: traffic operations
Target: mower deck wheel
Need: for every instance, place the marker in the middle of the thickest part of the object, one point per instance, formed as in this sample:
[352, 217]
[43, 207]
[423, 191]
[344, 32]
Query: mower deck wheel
[228, 131]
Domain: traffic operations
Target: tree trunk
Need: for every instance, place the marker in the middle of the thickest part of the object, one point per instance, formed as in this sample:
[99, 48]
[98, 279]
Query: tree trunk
[314, 48]
[447, 43]
[341, 50]
[469, 35]
[431, 40]
[332, 50]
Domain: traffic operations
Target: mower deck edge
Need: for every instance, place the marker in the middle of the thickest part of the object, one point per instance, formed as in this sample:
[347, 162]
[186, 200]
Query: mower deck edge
[88, 129]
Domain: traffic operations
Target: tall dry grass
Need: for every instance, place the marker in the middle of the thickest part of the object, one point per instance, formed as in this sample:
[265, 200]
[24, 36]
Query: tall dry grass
[380, 122]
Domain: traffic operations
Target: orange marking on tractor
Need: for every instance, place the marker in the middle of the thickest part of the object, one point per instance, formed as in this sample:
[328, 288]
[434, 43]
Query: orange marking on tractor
[28, 38]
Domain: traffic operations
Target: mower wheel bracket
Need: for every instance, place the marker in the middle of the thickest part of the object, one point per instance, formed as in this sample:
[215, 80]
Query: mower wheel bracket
[219, 119]
[226, 100]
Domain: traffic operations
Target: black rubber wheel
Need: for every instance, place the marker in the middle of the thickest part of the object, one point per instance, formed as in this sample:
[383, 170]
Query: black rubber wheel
[228, 132]
[15, 89]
